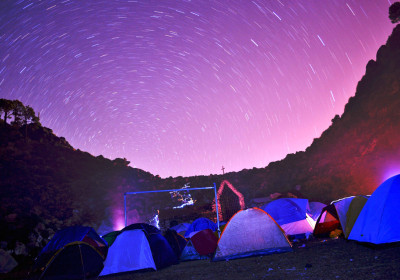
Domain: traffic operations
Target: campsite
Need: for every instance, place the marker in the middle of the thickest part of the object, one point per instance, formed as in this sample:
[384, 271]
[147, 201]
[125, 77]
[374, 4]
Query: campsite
[330, 211]
[354, 237]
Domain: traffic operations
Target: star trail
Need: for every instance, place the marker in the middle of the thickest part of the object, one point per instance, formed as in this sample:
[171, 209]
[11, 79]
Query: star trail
[182, 88]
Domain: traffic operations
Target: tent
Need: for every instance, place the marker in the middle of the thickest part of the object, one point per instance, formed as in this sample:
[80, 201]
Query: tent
[130, 251]
[73, 253]
[333, 217]
[162, 253]
[176, 241]
[379, 220]
[315, 209]
[181, 228]
[200, 224]
[327, 221]
[251, 232]
[292, 215]
[354, 210]
[110, 237]
[189, 253]
[205, 242]
[342, 206]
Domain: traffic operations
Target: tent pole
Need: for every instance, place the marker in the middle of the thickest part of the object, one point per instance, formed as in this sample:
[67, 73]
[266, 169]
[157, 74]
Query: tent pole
[216, 208]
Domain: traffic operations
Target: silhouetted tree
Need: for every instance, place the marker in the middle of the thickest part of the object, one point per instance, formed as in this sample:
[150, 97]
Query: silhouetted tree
[15, 108]
[29, 115]
[17, 112]
[6, 107]
[394, 12]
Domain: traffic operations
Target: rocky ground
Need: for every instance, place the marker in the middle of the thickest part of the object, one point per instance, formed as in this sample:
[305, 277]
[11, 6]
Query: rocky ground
[313, 259]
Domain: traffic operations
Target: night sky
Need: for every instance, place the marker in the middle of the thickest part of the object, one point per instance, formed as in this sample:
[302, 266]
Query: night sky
[182, 88]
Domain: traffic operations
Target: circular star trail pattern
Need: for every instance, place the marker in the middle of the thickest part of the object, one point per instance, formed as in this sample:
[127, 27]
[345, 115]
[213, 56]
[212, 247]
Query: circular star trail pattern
[182, 88]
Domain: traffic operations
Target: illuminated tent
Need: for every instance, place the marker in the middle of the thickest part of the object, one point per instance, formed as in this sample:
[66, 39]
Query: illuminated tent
[73, 253]
[327, 221]
[292, 215]
[251, 232]
[161, 251]
[130, 251]
[342, 206]
[315, 209]
[333, 216]
[200, 224]
[355, 208]
[379, 220]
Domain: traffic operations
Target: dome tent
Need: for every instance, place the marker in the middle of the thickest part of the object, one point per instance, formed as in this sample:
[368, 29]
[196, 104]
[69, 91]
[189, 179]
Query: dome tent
[379, 219]
[75, 252]
[292, 215]
[251, 232]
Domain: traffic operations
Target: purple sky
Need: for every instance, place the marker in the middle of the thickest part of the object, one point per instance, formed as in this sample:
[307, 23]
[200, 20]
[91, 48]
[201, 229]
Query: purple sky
[182, 88]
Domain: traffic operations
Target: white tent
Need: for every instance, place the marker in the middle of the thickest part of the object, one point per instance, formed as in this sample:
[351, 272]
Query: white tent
[251, 232]
[379, 220]
[130, 251]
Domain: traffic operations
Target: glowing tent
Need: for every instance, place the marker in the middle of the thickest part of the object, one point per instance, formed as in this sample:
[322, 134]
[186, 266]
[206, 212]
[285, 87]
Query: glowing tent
[327, 221]
[251, 232]
[130, 251]
[333, 216]
[315, 209]
[292, 215]
[379, 220]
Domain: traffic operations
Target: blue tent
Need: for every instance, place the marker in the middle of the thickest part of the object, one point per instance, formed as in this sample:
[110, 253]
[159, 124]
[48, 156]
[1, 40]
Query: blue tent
[379, 219]
[200, 224]
[72, 234]
[292, 215]
[287, 210]
[162, 253]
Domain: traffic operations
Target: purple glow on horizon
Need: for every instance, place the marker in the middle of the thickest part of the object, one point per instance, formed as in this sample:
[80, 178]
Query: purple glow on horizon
[182, 88]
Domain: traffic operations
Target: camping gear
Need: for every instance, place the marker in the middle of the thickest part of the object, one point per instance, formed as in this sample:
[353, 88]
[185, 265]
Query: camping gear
[379, 219]
[7, 262]
[130, 251]
[292, 215]
[73, 253]
[251, 232]
[200, 224]
[354, 210]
